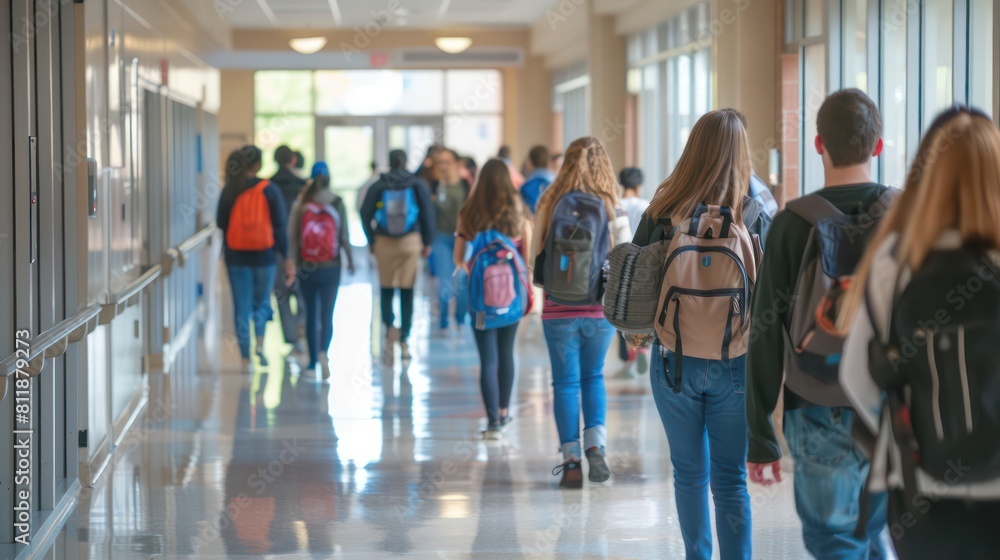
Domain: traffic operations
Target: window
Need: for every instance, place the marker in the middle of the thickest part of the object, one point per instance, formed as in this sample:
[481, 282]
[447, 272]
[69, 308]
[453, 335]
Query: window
[936, 83]
[571, 99]
[379, 92]
[892, 100]
[855, 42]
[814, 92]
[981, 64]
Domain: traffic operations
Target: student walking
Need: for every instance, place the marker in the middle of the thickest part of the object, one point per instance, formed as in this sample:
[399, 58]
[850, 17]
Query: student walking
[449, 193]
[578, 222]
[920, 364]
[539, 177]
[288, 181]
[398, 219]
[494, 223]
[829, 467]
[319, 243]
[252, 215]
[699, 354]
[631, 178]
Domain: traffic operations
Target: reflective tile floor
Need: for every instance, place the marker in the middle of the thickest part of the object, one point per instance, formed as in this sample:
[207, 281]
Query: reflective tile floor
[383, 463]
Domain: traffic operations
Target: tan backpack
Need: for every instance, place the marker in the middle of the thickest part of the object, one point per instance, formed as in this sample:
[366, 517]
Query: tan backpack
[704, 306]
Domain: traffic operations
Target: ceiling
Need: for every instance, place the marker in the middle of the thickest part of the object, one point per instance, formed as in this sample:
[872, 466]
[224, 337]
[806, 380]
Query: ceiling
[421, 14]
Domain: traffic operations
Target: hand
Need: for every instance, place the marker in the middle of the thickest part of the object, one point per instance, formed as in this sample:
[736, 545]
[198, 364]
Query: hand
[290, 273]
[755, 471]
[427, 251]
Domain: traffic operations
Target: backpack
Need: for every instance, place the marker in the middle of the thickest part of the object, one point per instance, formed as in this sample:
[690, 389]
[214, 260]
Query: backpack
[636, 273]
[708, 277]
[397, 212]
[532, 190]
[575, 250]
[499, 294]
[320, 233]
[940, 371]
[250, 226]
[836, 243]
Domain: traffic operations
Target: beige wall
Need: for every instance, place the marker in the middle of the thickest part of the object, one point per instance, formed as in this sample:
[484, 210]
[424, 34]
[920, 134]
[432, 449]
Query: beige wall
[607, 65]
[237, 111]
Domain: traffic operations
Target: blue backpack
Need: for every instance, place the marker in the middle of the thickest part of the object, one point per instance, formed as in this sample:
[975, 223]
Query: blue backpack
[579, 240]
[397, 212]
[532, 190]
[498, 282]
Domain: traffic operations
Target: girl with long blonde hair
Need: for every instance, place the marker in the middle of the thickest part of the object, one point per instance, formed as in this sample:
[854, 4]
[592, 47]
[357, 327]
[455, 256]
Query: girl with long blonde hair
[704, 410]
[951, 206]
[578, 336]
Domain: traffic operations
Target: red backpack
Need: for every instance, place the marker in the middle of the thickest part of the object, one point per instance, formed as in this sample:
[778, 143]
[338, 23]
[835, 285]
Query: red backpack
[320, 228]
[250, 226]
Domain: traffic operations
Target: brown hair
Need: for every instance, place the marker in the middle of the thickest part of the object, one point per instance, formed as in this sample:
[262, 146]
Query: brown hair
[586, 168]
[493, 204]
[849, 124]
[713, 169]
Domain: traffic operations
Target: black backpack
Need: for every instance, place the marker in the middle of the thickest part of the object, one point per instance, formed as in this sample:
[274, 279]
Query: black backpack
[940, 370]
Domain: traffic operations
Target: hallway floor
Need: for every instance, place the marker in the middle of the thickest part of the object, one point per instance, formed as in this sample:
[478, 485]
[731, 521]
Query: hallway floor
[383, 463]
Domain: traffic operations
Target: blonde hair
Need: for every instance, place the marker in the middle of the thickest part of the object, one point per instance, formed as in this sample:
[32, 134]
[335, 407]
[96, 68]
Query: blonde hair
[714, 168]
[586, 168]
[954, 184]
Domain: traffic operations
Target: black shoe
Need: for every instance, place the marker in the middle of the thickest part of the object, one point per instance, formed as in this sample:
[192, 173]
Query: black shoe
[599, 469]
[505, 421]
[492, 433]
[572, 474]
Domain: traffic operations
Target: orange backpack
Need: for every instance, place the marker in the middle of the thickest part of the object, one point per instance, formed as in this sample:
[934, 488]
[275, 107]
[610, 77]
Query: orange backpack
[250, 221]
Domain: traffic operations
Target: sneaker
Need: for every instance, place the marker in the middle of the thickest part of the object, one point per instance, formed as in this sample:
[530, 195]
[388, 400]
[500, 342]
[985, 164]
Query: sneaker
[624, 373]
[389, 346]
[642, 361]
[262, 359]
[325, 369]
[572, 474]
[404, 351]
[492, 433]
[505, 421]
[599, 469]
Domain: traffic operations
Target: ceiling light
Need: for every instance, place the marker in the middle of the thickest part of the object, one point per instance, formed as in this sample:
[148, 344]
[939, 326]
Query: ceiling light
[307, 45]
[453, 45]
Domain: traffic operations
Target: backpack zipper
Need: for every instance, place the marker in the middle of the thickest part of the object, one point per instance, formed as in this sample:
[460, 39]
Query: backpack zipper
[935, 385]
[964, 376]
[747, 284]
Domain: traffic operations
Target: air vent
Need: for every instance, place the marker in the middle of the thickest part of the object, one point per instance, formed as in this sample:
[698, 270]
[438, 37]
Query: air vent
[471, 57]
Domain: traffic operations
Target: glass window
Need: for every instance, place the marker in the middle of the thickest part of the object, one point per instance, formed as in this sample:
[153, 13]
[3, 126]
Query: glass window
[651, 151]
[814, 17]
[855, 41]
[478, 135]
[283, 91]
[981, 65]
[272, 131]
[379, 92]
[893, 92]
[474, 91]
[814, 92]
[936, 42]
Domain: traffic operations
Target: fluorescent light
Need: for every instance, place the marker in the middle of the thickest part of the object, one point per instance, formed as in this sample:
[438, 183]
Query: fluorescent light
[307, 45]
[453, 45]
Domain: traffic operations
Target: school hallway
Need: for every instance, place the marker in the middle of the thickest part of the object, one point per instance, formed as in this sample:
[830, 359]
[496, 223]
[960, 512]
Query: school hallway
[382, 462]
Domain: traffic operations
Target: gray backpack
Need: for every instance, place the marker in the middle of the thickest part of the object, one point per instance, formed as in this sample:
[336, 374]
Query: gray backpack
[836, 243]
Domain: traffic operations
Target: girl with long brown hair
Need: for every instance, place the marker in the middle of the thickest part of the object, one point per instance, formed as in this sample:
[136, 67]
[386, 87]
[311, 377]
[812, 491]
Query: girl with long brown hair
[494, 204]
[578, 336]
[949, 214]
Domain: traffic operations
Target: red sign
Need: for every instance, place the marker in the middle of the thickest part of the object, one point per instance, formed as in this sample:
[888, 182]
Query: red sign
[164, 71]
[378, 60]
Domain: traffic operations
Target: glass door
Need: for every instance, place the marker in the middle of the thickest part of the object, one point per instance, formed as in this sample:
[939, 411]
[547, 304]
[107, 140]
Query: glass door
[413, 135]
[348, 148]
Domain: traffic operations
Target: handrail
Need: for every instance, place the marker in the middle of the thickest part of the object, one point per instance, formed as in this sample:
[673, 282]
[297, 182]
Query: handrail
[52, 342]
[130, 295]
[196, 240]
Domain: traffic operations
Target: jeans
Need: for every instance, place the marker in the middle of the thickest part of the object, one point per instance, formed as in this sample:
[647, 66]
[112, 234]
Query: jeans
[448, 286]
[289, 320]
[577, 348]
[251, 286]
[706, 427]
[829, 474]
[496, 368]
[319, 294]
[405, 310]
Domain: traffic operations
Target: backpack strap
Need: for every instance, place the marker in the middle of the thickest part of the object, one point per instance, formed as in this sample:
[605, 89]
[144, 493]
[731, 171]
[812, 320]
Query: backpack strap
[701, 209]
[813, 208]
[752, 210]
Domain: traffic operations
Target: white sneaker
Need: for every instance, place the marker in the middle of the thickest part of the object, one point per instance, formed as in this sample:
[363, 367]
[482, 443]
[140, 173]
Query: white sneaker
[404, 352]
[389, 346]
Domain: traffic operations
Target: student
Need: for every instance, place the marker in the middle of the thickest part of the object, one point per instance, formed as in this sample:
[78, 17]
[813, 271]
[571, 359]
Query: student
[449, 194]
[631, 179]
[398, 219]
[515, 176]
[829, 468]
[291, 186]
[700, 399]
[318, 243]
[578, 336]
[950, 208]
[494, 205]
[426, 169]
[251, 215]
[538, 179]
[470, 171]
[300, 163]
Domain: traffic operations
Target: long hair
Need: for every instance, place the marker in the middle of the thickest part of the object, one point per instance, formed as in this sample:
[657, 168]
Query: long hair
[314, 186]
[238, 166]
[586, 168]
[954, 184]
[494, 203]
[714, 169]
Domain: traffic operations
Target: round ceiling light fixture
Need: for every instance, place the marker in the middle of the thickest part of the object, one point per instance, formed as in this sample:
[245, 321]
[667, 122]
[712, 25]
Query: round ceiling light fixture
[307, 45]
[453, 45]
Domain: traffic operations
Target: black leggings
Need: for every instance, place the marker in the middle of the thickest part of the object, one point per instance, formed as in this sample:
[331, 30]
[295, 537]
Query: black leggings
[496, 373]
[405, 310]
[947, 528]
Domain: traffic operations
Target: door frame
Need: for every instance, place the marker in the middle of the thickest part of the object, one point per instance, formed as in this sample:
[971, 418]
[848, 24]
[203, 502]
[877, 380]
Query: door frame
[380, 125]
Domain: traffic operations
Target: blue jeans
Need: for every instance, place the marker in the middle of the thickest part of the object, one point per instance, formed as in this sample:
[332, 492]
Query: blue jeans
[319, 295]
[251, 286]
[577, 348]
[706, 427]
[449, 286]
[829, 473]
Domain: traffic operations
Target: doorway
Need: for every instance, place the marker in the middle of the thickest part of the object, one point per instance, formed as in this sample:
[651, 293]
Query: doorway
[350, 145]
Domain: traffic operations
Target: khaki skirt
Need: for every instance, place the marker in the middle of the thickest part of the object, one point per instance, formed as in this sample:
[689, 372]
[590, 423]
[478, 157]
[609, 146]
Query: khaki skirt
[398, 258]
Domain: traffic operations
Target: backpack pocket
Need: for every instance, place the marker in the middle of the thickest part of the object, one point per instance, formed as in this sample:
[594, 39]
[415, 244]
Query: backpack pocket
[700, 323]
[572, 265]
[498, 286]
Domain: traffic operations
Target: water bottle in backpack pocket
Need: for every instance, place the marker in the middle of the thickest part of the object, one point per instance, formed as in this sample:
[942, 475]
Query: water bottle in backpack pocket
[499, 293]
[320, 229]
[397, 211]
[576, 249]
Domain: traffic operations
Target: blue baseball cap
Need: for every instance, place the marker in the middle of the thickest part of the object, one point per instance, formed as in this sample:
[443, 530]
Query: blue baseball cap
[320, 168]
